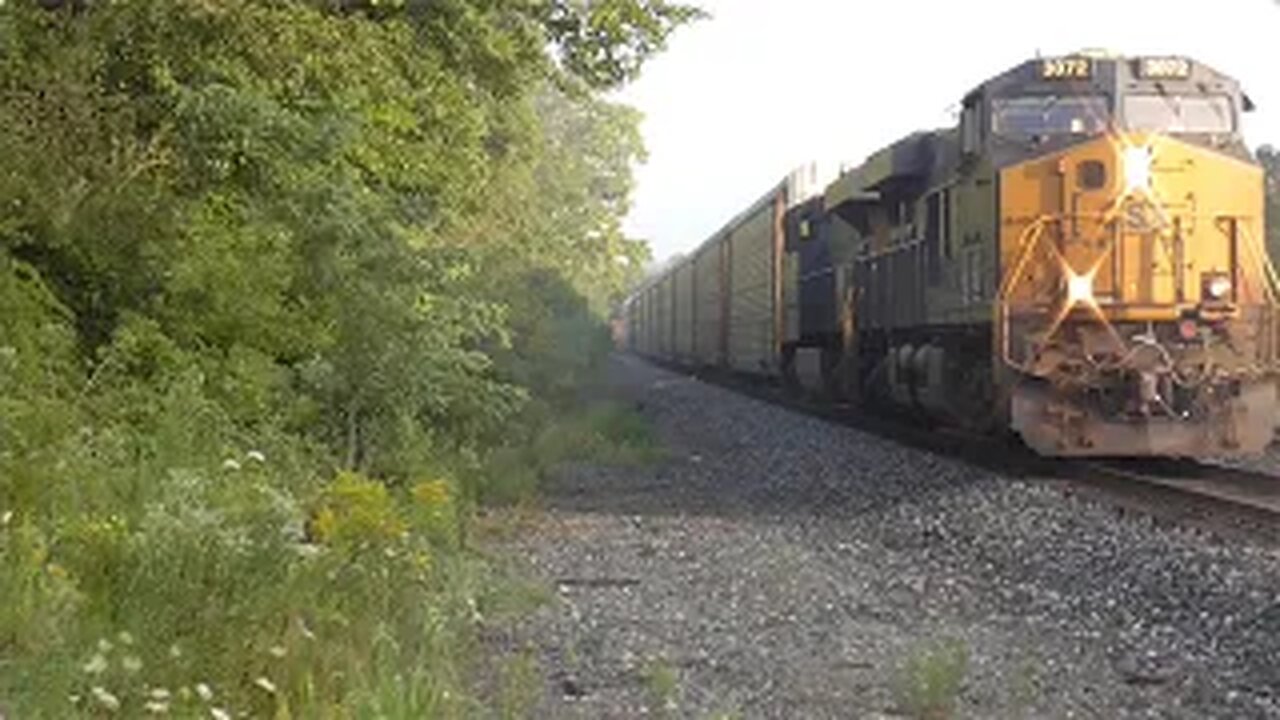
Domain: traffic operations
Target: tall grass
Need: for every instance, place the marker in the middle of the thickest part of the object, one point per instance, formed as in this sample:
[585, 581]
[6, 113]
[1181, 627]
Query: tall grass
[604, 431]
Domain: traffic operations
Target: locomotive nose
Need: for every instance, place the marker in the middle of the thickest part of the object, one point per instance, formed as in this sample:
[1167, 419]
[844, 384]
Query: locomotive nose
[1137, 286]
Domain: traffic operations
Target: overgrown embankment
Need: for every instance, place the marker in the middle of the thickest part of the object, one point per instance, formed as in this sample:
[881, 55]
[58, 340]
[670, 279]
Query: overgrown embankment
[286, 288]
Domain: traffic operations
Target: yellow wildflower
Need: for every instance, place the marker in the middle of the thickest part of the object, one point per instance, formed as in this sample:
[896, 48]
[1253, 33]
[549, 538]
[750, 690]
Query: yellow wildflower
[432, 494]
[325, 523]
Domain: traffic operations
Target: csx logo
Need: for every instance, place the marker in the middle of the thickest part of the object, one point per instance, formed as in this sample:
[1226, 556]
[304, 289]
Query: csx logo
[1143, 218]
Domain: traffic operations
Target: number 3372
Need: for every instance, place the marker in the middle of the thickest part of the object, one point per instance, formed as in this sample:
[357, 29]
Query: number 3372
[1065, 68]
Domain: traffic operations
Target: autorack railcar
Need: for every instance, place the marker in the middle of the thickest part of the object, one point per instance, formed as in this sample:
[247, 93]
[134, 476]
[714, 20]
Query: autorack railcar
[1079, 260]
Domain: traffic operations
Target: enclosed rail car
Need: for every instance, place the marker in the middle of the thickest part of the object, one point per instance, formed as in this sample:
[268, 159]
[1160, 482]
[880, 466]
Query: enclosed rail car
[1080, 261]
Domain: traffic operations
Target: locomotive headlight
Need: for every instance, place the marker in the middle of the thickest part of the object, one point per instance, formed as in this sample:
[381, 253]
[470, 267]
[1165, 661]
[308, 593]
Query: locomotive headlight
[1079, 289]
[1217, 286]
[1137, 168]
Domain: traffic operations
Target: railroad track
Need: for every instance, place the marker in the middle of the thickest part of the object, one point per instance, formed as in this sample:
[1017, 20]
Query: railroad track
[1207, 496]
[1193, 492]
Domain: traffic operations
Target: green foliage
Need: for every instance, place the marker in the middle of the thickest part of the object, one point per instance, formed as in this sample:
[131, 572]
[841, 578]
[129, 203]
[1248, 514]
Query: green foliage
[281, 284]
[36, 597]
[631, 29]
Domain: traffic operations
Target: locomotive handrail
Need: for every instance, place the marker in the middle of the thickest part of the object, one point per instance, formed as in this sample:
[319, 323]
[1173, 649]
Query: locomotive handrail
[1029, 240]
[1027, 243]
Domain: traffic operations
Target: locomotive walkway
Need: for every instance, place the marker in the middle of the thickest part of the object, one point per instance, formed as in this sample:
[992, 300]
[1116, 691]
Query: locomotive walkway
[778, 566]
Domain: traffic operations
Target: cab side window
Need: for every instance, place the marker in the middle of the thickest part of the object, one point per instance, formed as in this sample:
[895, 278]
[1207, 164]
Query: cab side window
[971, 126]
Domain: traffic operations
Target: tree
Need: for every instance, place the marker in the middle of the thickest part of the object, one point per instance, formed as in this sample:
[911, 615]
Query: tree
[342, 200]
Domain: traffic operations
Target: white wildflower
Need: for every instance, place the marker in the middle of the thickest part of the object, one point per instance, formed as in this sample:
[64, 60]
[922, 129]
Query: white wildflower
[230, 464]
[277, 651]
[307, 550]
[96, 665]
[219, 714]
[256, 456]
[131, 663]
[266, 685]
[104, 698]
[75, 699]
[125, 638]
[306, 631]
[6, 517]
[160, 694]
[104, 645]
[204, 691]
[157, 707]
[175, 651]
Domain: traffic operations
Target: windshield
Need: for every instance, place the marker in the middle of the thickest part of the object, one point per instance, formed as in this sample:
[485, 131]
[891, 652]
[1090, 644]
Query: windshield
[1179, 114]
[1050, 115]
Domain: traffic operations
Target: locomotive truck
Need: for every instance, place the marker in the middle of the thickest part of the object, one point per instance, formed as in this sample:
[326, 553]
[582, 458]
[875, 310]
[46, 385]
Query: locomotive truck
[1079, 261]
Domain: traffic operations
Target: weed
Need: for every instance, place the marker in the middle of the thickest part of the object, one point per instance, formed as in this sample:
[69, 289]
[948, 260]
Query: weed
[1024, 685]
[521, 686]
[930, 680]
[663, 687]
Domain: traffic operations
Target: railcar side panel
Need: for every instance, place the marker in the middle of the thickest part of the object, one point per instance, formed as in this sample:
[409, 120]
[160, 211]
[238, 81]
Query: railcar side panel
[651, 321]
[684, 310]
[708, 298]
[751, 297]
[663, 328]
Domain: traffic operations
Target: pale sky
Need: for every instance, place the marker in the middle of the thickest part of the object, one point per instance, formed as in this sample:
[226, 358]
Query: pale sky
[764, 86]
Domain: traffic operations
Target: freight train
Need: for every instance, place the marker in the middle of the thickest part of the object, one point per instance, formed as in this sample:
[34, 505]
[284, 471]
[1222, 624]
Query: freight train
[1079, 261]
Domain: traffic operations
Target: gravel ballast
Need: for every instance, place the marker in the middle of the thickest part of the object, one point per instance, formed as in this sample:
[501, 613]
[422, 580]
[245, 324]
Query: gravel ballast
[778, 566]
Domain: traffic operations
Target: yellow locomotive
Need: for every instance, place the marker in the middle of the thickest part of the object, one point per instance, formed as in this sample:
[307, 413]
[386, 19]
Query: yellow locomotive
[1080, 260]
